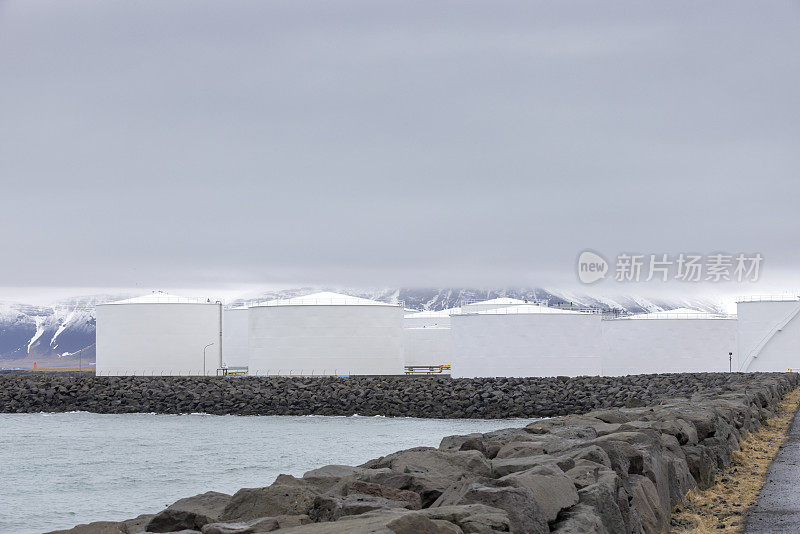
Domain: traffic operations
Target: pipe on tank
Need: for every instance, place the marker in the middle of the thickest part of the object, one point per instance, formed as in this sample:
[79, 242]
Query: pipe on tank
[219, 303]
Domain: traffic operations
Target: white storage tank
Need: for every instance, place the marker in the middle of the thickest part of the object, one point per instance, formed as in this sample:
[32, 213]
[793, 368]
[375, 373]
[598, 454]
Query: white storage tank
[769, 333]
[427, 339]
[674, 341]
[234, 337]
[429, 318]
[159, 334]
[325, 334]
[491, 304]
[526, 340]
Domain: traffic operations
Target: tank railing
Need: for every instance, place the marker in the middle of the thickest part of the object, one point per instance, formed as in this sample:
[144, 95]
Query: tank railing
[300, 372]
[520, 309]
[430, 314]
[302, 301]
[666, 315]
[770, 298]
[468, 302]
[239, 370]
[156, 299]
[160, 372]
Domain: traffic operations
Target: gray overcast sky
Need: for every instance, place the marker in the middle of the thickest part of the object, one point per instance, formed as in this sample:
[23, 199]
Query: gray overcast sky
[413, 143]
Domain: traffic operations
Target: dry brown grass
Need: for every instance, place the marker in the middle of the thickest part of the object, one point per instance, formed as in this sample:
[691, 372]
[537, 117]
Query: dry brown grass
[737, 488]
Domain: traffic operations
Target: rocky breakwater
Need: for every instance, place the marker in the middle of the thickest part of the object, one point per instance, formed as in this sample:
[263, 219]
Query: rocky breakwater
[426, 396]
[617, 470]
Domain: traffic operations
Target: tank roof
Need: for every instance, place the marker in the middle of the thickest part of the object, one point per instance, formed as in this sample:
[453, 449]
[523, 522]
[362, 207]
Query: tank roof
[499, 300]
[432, 313]
[324, 298]
[679, 313]
[160, 297]
[523, 309]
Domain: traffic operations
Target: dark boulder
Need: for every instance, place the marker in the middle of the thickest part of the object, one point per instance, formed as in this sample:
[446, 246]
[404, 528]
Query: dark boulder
[190, 513]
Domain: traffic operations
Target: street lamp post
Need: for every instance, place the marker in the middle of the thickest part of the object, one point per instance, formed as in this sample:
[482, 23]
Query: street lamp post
[204, 358]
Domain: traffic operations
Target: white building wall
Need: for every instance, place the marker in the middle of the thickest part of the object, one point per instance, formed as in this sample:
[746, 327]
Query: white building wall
[757, 322]
[427, 346]
[309, 339]
[157, 339]
[642, 346]
[234, 337]
[526, 344]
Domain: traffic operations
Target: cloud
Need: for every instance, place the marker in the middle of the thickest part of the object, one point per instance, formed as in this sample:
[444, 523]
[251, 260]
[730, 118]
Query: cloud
[400, 143]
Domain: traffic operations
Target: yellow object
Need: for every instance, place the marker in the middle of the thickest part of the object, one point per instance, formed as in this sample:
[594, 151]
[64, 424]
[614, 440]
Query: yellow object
[426, 369]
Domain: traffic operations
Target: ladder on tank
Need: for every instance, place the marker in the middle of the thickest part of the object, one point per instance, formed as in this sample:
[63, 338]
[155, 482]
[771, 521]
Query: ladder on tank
[753, 354]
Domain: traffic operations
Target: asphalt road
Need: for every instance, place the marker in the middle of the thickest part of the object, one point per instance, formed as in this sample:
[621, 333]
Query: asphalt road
[778, 507]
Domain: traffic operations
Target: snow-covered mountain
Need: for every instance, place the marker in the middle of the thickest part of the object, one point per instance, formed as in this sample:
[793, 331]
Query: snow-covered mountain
[59, 335]
[63, 335]
[439, 299]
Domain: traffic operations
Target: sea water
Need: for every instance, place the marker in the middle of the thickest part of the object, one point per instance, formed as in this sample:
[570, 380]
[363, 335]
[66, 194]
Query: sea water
[61, 469]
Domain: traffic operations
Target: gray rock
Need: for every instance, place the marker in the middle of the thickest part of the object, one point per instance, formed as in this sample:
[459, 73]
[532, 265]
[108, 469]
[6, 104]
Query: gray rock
[682, 430]
[391, 522]
[446, 527]
[279, 499]
[524, 513]
[585, 473]
[429, 461]
[138, 524]
[655, 463]
[701, 465]
[581, 519]
[504, 466]
[336, 471]
[604, 497]
[429, 488]
[97, 527]
[521, 449]
[678, 475]
[624, 457]
[472, 518]
[592, 453]
[645, 500]
[461, 443]
[333, 508]
[408, 499]
[190, 513]
[611, 416]
[257, 526]
[130, 526]
[551, 488]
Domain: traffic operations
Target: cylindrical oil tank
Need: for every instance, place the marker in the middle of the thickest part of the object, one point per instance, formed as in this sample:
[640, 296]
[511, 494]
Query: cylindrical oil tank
[325, 334]
[158, 334]
[491, 304]
[430, 318]
[235, 326]
[675, 341]
[427, 339]
[526, 340]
